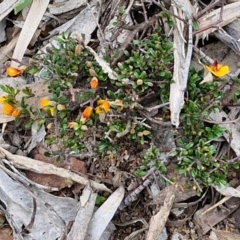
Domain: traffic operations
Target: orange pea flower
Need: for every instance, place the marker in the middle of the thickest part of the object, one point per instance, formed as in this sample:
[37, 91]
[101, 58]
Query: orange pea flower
[94, 83]
[103, 106]
[13, 72]
[218, 69]
[72, 124]
[45, 104]
[86, 114]
[15, 113]
[8, 109]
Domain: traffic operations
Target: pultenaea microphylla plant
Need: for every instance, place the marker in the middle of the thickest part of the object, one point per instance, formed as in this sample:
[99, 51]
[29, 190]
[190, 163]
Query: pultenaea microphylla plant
[196, 151]
[115, 111]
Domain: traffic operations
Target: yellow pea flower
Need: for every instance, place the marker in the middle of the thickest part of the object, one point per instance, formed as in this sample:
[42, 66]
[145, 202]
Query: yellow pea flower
[218, 69]
[103, 106]
[44, 103]
[2, 99]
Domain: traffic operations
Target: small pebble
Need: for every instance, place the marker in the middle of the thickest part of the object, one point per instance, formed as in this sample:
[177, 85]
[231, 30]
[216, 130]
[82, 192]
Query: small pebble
[12, 149]
[191, 225]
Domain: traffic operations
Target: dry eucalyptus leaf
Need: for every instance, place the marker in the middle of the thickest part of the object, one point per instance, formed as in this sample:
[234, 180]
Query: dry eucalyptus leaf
[228, 191]
[38, 135]
[181, 64]
[208, 77]
[84, 23]
[83, 217]
[34, 17]
[232, 129]
[19, 203]
[2, 31]
[26, 163]
[65, 6]
[6, 50]
[6, 7]
[230, 13]
[158, 221]
[104, 214]
[224, 235]
[104, 65]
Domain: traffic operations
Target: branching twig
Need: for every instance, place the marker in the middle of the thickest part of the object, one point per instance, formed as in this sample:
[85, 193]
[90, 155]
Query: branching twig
[153, 173]
[131, 36]
[144, 11]
[126, 131]
[213, 25]
[154, 120]
[216, 122]
[149, 109]
[206, 9]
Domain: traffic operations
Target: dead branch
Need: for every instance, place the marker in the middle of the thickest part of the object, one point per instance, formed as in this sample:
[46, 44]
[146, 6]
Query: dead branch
[46, 168]
[153, 174]
[131, 36]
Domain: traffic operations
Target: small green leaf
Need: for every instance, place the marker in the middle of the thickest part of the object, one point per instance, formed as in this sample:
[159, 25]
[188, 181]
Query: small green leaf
[195, 25]
[21, 5]
[100, 200]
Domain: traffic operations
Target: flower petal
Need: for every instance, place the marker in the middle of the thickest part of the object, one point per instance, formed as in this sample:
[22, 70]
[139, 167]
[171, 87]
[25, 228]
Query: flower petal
[94, 83]
[45, 102]
[15, 113]
[99, 110]
[51, 109]
[218, 70]
[8, 109]
[223, 71]
[72, 124]
[46, 105]
[2, 99]
[13, 72]
[86, 114]
[101, 101]
[104, 106]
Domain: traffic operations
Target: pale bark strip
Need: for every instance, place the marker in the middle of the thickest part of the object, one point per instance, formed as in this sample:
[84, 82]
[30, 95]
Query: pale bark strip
[34, 17]
[182, 59]
[6, 7]
[230, 13]
[158, 221]
[104, 214]
[47, 168]
[83, 218]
